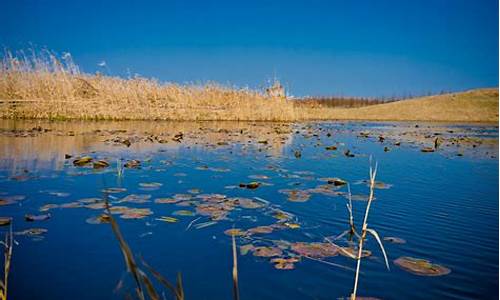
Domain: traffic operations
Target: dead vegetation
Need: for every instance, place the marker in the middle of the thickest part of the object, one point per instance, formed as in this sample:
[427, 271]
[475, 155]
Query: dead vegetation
[42, 85]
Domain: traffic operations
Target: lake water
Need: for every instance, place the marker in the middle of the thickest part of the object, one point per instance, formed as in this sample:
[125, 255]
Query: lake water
[443, 204]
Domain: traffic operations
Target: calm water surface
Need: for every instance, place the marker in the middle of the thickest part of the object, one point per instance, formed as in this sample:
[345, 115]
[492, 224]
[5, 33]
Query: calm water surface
[444, 204]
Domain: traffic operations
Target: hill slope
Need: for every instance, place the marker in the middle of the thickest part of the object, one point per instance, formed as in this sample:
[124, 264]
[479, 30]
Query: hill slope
[479, 105]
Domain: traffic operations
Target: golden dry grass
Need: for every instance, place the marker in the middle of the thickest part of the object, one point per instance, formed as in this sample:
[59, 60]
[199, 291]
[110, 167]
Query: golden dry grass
[480, 105]
[43, 86]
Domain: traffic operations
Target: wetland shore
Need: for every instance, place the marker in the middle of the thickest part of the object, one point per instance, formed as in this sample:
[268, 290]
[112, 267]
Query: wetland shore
[47, 87]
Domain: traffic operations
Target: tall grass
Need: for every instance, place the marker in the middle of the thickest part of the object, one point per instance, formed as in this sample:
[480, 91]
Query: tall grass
[365, 230]
[41, 84]
[7, 244]
[141, 279]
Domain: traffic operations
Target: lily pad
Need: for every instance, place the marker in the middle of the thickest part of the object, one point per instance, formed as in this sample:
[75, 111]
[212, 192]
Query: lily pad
[251, 185]
[260, 230]
[267, 251]
[100, 164]
[166, 200]
[114, 190]
[82, 161]
[421, 267]
[167, 219]
[97, 205]
[48, 207]
[317, 250]
[32, 231]
[394, 240]
[244, 249]
[281, 263]
[32, 218]
[334, 180]
[234, 231]
[135, 198]
[150, 185]
[183, 213]
[248, 203]
[296, 195]
[4, 221]
[104, 218]
[132, 164]
[136, 213]
[71, 205]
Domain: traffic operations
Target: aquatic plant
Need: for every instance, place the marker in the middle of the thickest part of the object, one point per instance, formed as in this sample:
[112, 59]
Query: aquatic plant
[140, 277]
[7, 244]
[365, 230]
[236, 291]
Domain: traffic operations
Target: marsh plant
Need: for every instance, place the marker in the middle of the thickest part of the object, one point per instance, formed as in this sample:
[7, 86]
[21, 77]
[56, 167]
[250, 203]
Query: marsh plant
[141, 279]
[7, 244]
[364, 231]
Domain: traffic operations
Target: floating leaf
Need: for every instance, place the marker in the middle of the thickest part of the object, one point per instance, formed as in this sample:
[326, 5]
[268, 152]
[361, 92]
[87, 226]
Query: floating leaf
[100, 164]
[136, 213]
[292, 225]
[316, 250]
[296, 195]
[132, 164]
[82, 161]
[71, 205]
[394, 240]
[134, 198]
[184, 213]
[104, 218]
[166, 200]
[281, 263]
[32, 218]
[334, 180]
[234, 231]
[260, 230]
[4, 221]
[47, 207]
[150, 185]
[251, 185]
[267, 251]
[98, 205]
[247, 203]
[32, 231]
[167, 219]
[244, 249]
[114, 190]
[421, 267]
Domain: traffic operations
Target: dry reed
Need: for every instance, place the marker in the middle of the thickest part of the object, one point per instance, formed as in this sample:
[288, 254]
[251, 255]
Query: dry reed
[364, 231]
[7, 244]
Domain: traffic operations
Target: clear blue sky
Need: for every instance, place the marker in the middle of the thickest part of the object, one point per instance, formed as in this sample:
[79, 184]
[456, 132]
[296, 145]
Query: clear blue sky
[357, 48]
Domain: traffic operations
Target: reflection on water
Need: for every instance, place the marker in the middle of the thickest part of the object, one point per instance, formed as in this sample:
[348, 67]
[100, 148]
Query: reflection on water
[36, 145]
[281, 185]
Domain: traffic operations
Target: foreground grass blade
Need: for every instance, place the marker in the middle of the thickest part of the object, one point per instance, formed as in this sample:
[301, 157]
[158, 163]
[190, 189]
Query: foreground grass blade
[177, 290]
[149, 286]
[236, 292]
[7, 259]
[127, 253]
[379, 241]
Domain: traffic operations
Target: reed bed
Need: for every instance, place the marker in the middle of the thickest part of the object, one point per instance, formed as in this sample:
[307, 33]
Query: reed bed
[42, 85]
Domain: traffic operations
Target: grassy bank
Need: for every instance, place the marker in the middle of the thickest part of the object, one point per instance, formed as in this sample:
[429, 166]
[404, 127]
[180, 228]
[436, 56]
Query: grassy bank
[43, 86]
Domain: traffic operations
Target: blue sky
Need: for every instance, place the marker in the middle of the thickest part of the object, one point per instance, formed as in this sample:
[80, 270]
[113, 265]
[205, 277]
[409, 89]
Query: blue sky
[355, 48]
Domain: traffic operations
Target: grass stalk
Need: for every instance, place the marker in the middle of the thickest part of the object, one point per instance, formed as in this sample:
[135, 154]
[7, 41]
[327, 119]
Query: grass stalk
[365, 230]
[7, 243]
[236, 292]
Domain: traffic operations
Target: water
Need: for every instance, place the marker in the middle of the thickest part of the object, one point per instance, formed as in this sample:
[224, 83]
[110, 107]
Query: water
[445, 206]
